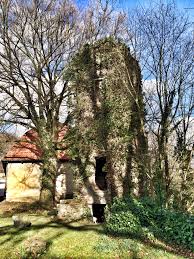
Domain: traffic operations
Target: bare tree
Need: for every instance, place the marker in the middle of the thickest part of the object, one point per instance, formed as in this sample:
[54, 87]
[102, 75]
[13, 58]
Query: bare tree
[184, 147]
[37, 40]
[161, 39]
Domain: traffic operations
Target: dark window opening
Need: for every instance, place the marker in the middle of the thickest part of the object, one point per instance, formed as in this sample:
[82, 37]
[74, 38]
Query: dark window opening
[98, 212]
[3, 183]
[2, 198]
[100, 175]
[69, 196]
[2, 189]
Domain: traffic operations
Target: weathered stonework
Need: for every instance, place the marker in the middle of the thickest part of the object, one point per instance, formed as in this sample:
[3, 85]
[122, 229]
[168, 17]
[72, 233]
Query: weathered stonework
[65, 181]
[71, 210]
[109, 117]
[108, 123]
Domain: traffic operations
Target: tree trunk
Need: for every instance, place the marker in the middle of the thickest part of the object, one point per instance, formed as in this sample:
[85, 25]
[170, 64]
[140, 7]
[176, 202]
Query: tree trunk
[49, 167]
[142, 156]
[48, 182]
[164, 161]
[166, 171]
[141, 146]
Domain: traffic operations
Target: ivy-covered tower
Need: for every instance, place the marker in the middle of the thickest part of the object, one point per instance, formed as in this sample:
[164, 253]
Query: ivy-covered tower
[109, 139]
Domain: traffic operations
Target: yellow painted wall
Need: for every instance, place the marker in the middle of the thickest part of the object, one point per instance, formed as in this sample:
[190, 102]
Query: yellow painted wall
[23, 182]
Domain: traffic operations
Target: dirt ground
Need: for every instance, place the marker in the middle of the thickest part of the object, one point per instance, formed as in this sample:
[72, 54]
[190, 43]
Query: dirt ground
[10, 208]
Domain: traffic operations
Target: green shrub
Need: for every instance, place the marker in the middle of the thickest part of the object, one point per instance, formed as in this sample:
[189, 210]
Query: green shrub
[146, 219]
[33, 247]
[124, 222]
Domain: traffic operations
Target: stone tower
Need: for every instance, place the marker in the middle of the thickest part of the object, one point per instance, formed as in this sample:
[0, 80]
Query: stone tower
[109, 139]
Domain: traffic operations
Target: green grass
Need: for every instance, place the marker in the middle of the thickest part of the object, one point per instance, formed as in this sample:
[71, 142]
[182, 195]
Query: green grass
[75, 240]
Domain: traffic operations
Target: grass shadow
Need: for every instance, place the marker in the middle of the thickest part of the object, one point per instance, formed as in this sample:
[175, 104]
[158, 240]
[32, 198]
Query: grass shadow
[156, 244]
[18, 235]
[8, 209]
[13, 233]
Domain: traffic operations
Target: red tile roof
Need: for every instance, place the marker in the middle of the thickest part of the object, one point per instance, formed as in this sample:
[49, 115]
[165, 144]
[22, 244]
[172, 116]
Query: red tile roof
[27, 149]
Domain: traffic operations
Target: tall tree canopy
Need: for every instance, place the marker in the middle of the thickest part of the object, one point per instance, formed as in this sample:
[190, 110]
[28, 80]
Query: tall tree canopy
[161, 39]
[37, 41]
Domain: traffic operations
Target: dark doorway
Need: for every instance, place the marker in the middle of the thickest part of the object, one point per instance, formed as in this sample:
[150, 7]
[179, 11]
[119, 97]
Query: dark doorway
[2, 189]
[100, 175]
[69, 196]
[98, 212]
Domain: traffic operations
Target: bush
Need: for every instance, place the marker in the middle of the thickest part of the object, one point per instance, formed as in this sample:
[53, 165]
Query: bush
[33, 247]
[144, 218]
[124, 222]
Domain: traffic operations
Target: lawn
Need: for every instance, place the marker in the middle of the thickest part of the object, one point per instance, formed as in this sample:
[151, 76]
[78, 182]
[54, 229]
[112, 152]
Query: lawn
[81, 239]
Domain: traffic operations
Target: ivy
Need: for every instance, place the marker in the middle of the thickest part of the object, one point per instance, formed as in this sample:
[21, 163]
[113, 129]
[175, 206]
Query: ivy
[146, 218]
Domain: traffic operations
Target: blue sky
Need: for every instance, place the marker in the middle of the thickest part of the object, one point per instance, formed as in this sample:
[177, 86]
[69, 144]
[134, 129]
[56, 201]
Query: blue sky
[182, 4]
[130, 4]
[133, 3]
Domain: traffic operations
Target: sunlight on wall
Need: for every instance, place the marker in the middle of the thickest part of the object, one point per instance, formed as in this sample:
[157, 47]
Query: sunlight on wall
[23, 182]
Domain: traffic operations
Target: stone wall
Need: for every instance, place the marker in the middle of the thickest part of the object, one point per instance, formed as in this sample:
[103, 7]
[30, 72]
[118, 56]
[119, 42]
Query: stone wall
[109, 115]
[71, 210]
[65, 181]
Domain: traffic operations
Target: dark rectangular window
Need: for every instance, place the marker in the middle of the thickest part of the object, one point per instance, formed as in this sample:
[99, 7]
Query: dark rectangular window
[100, 175]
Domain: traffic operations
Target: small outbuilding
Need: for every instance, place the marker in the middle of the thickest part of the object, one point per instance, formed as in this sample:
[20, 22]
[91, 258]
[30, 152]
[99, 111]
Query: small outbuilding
[23, 169]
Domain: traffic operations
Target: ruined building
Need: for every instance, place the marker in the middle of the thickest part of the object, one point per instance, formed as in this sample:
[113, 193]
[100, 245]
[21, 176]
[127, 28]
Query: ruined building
[106, 137]
[109, 140]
